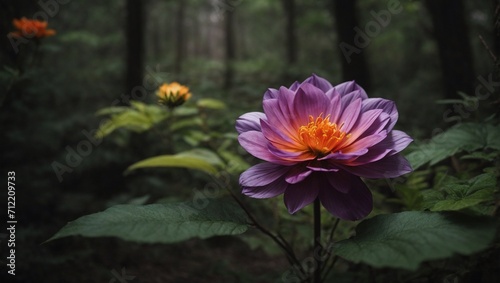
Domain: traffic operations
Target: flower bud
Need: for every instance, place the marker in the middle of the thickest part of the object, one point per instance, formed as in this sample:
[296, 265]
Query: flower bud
[173, 94]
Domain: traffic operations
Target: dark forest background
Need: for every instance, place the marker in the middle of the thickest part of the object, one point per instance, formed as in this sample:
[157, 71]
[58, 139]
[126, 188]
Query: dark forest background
[106, 53]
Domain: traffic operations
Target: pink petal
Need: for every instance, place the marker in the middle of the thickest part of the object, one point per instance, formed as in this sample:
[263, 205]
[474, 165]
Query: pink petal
[309, 101]
[297, 174]
[365, 121]
[340, 180]
[335, 106]
[366, 142]
[292, 157]
[319, 82]
[378, 125]
[294, 86]
[279, 139]
[371, 156]
[348, 87]
[387, 106]
[297, 196]
[322, 166]
[350, 115]
[256, 144]
[395, 142]
[262, 174]
[268, 191]
[249, 122]
[349, 200]
[286, 106]
[351, 97]
[339, 155]
[388, 167]
[271, 93]
[279, 113]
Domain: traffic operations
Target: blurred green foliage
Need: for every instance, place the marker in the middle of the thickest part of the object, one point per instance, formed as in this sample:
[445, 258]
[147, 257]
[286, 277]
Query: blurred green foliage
[50, 94]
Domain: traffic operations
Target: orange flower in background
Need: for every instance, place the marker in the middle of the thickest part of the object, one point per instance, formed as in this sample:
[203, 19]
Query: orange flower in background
[173, 94]
[31, 28]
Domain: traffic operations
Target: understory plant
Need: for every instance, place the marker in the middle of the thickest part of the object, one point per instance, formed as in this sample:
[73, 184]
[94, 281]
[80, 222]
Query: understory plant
[331, 155]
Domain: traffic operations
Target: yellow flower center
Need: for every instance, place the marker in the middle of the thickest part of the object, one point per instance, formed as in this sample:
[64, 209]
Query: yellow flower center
[321, 136]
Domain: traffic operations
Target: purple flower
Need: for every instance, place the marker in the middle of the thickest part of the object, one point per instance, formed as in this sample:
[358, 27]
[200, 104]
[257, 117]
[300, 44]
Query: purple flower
[317, 141]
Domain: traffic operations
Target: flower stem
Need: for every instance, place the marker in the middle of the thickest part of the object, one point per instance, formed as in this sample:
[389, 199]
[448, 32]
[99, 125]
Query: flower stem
[280, 241]
[317, 240]
[328, 268]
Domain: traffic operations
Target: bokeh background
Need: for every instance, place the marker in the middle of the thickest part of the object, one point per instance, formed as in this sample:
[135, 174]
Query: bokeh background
[412, 52]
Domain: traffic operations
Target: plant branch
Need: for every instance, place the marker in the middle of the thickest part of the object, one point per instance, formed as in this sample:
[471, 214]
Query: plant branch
[488, 49]
[332, 231]
[317, 241]
[330, 267]
[292, 258]
[328, 250]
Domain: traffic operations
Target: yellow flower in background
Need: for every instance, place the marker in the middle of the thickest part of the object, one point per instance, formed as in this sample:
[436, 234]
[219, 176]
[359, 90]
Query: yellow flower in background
[173, 94]
[31, 28]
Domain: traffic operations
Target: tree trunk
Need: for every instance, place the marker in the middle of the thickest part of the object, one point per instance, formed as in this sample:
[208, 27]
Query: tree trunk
[450, 32]
[230, 49]
[354, 65]
[291, 39]
[157, 37]
[496, 29]
[179, 37]
[135, 46]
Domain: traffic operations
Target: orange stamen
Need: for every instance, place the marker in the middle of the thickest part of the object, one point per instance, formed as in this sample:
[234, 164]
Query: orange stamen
[322, 136]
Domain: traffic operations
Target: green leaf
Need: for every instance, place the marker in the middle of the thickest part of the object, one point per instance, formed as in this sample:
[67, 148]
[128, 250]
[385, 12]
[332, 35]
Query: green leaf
[430, 198]
[410, 191]
[235, 164]
[411, 198]
[211, 103]
[462, 194]
[463, 137]
[132, 121]
[178, 160]
[186, 123]
[185, 111]
[138, 118]
[204, 154]
[194, 138]
[111, 110]
[161, 223]
[406, 239]
[141, 107]
[480, 155]
[260, 241]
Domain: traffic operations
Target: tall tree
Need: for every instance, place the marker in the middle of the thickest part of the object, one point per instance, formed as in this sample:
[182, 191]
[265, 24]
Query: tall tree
[229, 49]
[496, 29]
[289, 10]
[291, 38]
[135, 44]
[455, 55]
[179, 37]
[354, 66]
